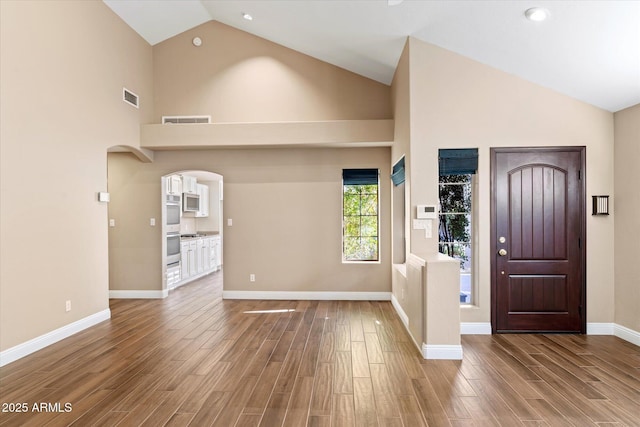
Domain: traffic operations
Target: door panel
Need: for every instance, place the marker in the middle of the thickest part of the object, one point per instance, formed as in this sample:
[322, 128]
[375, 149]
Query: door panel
[537, 239]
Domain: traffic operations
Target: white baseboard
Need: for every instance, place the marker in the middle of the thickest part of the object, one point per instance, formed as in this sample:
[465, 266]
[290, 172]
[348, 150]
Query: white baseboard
[429, 351]
[405, 319]
[438, 351]
[475, 328]
[115, 294]
[627, 334]
[294, 295]
[614, 329]
[600, 328]
[403, 316]
[21, 350]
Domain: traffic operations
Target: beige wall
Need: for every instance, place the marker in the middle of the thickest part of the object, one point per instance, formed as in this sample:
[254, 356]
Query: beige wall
[626, 208]
[63, 67]
[460, 103]
[238, 77]
[286, 209]
[135, 259]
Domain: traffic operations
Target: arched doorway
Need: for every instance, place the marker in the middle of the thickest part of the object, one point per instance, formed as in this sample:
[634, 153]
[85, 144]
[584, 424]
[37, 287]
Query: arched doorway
[192, 202]
[137, 223]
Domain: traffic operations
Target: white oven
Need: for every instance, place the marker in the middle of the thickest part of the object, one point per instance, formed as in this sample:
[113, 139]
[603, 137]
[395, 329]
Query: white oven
[173, 247]
[173, 213]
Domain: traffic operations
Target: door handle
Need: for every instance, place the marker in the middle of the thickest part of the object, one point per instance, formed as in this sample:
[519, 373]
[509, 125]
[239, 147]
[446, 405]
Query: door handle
[502, 252]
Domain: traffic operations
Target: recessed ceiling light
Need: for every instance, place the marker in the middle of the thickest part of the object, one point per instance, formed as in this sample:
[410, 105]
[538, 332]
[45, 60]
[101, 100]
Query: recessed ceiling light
[537, 14]
[247, 16]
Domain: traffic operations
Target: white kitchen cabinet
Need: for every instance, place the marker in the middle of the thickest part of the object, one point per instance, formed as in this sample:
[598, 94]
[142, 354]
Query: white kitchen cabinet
[184, 260]
[199, 255]
[205, 254]
[173, 185]
[203, 192]
[193, 258]
[215, 253]
[189, 184]
[188, 259]
[174, 276]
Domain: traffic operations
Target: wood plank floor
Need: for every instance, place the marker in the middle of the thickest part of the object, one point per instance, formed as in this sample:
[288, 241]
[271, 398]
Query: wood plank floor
[194, 359]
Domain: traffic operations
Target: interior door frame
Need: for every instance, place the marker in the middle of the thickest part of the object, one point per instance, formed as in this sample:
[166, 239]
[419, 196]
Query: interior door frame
[583, 222]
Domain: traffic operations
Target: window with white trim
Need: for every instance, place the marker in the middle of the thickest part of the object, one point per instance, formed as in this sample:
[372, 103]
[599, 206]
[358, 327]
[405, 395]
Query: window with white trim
[360, 222]
[456, 226]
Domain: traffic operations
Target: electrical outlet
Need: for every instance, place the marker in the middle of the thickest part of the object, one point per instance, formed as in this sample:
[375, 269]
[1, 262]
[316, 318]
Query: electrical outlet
[67, 306]
[252, 277]
[152, 222]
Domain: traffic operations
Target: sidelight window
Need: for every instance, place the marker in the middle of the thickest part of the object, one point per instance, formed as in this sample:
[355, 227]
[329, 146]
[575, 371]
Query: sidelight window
[456, 226]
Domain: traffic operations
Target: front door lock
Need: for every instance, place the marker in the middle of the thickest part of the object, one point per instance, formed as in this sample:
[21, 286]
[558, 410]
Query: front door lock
[502, 252]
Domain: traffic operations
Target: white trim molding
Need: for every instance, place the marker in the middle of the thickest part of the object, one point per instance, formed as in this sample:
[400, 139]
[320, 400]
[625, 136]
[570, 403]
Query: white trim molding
[475, 328]
[403, 316]
[405, 320]
[627, 334]
[439, 351]
[600, 328]
[301, 295]
[619, 331]
[132, 294]
[21, 350]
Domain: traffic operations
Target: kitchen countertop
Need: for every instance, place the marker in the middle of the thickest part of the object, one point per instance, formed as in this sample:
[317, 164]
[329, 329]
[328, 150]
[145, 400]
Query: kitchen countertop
[199, 234]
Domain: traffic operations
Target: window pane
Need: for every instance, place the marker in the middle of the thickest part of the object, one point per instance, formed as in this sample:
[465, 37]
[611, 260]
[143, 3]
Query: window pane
[455, 228]
[369, 204]
[351, 189]
[455, 198]
[352, 204]
[352, 226]
[369, 226]
[460, 251]
[351, 248]
[369, 248]
[455, 178]
[360, 249]
[369, 189]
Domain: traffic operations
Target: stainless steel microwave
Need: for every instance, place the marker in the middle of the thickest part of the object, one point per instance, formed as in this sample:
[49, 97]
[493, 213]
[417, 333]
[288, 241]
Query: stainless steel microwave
[190, 202]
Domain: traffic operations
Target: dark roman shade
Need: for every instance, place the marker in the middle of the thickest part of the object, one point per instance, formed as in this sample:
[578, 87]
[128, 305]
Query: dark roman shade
[360, 176]
[458, 161]
[397, 174]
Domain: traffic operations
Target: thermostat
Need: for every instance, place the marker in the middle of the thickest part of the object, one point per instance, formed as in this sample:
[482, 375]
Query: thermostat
[427, 212]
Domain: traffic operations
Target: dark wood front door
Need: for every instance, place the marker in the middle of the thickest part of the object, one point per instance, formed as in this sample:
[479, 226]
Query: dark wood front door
[538, 240]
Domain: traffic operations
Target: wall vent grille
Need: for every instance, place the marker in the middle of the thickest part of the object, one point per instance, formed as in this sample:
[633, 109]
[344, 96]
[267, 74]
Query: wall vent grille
[130, 98]
[186, 119]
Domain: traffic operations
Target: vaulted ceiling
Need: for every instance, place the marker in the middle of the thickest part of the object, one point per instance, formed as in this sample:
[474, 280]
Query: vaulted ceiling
[589, 50]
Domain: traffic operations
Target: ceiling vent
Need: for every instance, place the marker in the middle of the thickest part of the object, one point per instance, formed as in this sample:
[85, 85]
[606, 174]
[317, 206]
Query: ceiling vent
[130, 97]
[186, 119]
